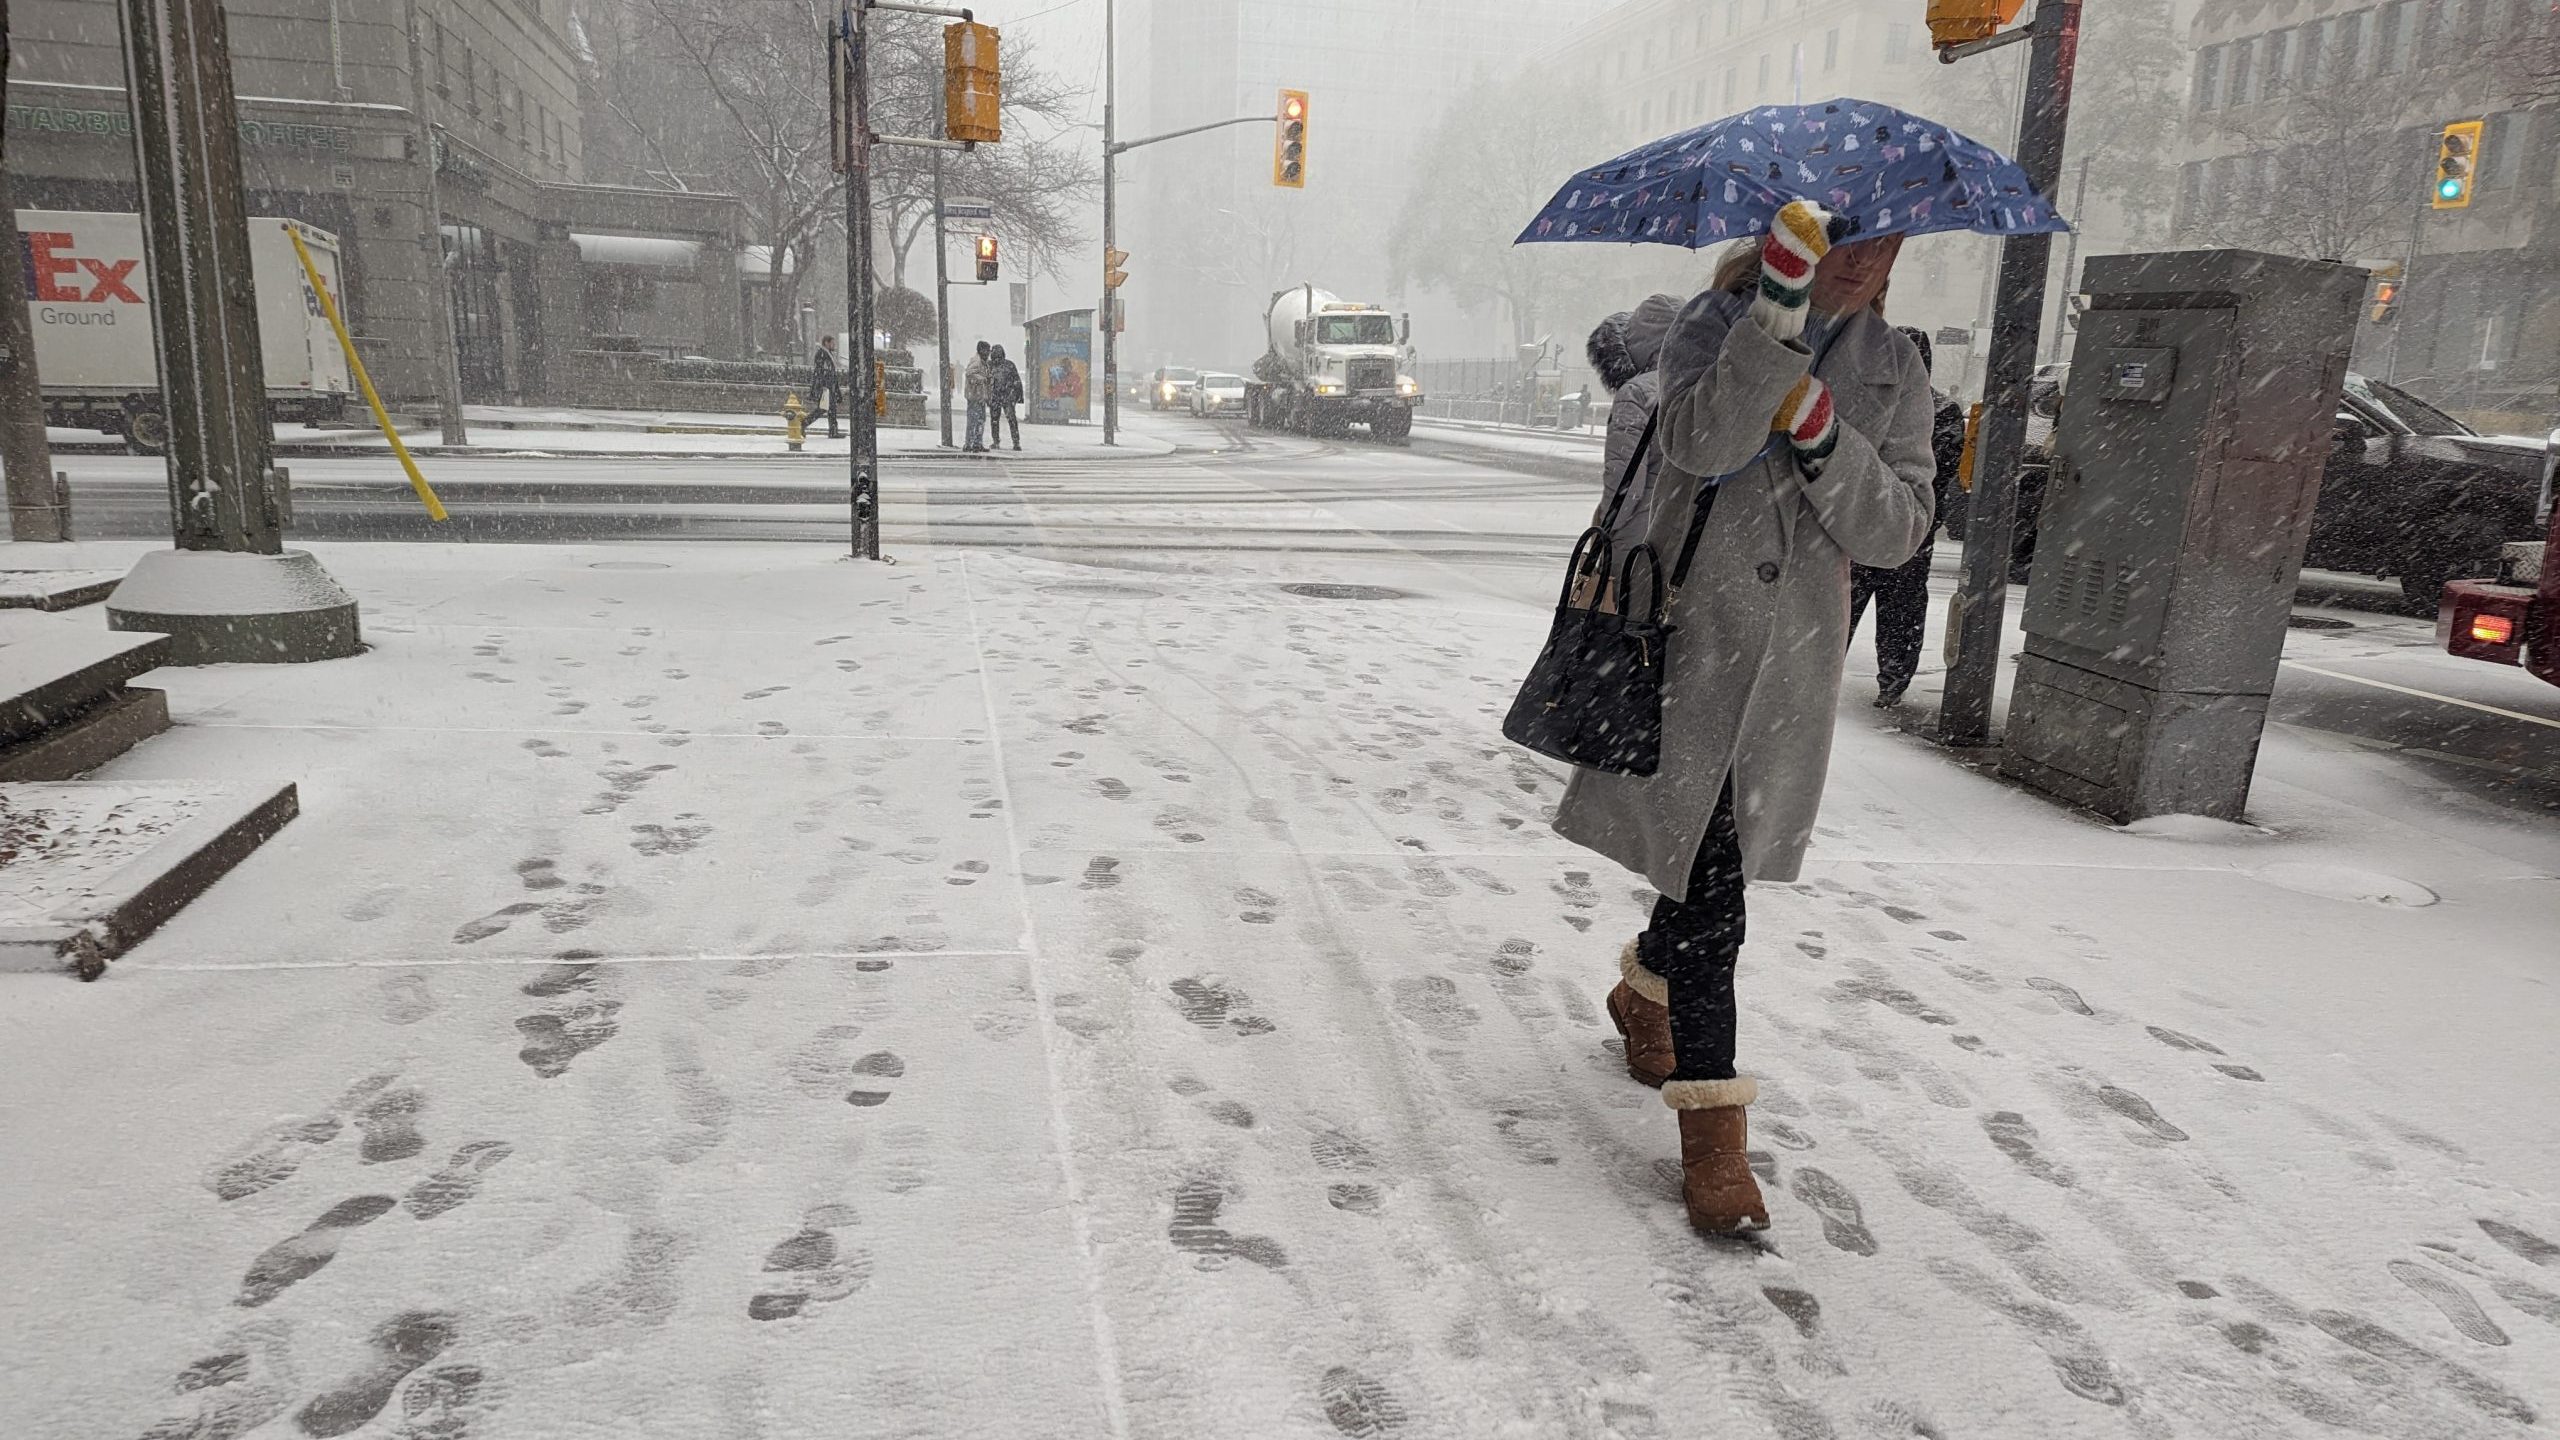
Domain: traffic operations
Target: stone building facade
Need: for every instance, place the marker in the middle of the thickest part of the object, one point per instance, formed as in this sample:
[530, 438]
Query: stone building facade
[550, 273]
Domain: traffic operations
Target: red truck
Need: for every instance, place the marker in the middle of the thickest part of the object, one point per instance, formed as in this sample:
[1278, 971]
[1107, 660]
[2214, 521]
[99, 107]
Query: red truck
[2514, 619]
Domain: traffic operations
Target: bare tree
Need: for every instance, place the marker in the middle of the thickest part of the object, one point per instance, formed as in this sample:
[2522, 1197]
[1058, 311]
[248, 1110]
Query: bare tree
[733, 99]
[2333, 174]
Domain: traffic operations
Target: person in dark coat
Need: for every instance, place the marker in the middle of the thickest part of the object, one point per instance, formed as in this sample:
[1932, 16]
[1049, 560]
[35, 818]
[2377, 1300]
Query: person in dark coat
[1624, 351]
[1004, 379]
[826, 380]
[1902, 593]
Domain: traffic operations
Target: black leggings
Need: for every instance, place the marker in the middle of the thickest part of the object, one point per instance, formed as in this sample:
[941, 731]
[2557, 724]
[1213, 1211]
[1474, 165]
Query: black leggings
[1902, 615]
[1693, 943]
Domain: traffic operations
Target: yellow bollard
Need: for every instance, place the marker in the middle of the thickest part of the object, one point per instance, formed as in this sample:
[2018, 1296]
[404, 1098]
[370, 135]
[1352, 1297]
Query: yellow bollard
[793, 431]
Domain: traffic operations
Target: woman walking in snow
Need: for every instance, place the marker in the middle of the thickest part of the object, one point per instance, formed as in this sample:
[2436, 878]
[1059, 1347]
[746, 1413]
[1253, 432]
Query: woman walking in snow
[1790, 340]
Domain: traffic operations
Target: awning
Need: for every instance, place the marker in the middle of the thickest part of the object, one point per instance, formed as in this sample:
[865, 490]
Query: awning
[647, 252]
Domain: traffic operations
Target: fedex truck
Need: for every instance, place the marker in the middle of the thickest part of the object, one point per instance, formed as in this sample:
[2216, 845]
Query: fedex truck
[89, 305]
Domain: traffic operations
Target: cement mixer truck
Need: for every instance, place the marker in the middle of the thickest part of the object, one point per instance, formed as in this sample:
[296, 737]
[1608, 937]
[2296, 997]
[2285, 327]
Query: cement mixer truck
[1331, 365]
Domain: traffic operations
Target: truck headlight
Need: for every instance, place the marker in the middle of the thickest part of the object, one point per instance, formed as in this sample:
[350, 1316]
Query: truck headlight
[1327, 387]
[1405, 386]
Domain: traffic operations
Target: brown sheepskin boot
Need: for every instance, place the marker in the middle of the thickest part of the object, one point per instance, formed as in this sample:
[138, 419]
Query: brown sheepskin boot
[1638, 1006]
[1715, 1171]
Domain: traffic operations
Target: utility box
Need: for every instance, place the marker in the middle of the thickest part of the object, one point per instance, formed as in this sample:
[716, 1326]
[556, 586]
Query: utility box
[2195, 424]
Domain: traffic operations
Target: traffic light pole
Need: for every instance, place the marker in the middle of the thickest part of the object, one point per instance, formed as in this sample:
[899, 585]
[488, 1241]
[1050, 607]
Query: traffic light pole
[941, 302]
[1110, 218]
[1112, 149]
[859, 301]
[1981, 623]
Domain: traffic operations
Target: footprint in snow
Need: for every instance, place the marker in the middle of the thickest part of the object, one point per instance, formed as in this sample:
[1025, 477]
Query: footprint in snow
[458, 1181]
[2138, 1110]
[1844, 1221]
[400, 1345]
[297, 1257]
[2447, 1295]
[811, 1267]
[2060, 994]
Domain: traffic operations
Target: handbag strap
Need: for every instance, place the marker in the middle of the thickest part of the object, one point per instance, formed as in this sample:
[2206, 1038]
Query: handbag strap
[1635, 462]
[1705, 504]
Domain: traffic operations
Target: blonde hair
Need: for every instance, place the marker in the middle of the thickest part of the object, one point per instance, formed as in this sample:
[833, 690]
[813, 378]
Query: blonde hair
[1738, 270]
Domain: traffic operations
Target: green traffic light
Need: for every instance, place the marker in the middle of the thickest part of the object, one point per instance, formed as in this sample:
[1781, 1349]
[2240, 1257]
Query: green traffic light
[2449, 188]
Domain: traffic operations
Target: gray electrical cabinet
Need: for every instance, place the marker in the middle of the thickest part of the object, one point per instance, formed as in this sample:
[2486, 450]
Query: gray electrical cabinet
[2195, 422]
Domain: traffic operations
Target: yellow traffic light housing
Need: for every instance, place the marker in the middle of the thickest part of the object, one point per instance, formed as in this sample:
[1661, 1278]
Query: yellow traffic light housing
[987, 268]
[2457, 165]
[1113, 277]
[1957, 22]
[1289, 141]
[972, 83]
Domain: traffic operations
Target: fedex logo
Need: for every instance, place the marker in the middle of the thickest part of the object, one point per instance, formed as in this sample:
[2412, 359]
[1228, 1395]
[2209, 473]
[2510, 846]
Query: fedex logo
[58, 277]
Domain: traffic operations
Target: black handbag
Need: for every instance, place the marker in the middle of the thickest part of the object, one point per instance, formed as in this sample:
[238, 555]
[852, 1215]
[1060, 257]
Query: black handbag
[1594, 697]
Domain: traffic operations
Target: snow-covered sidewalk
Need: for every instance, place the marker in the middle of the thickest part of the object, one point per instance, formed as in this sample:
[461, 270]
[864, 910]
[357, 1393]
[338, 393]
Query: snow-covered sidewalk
[730, 991]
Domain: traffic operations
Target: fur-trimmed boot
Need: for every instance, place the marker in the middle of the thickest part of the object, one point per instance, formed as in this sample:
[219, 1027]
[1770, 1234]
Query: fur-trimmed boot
[1715, 1170]
[1639, 1005]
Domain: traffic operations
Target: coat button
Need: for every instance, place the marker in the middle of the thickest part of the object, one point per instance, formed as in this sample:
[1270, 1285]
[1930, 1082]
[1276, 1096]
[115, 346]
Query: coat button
[1768, 572]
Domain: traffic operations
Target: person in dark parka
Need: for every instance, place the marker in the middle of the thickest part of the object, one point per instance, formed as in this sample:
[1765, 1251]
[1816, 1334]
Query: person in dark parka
[1902, 593]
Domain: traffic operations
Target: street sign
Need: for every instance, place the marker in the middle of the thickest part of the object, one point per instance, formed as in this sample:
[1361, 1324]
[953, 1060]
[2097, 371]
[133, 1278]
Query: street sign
[966, 207]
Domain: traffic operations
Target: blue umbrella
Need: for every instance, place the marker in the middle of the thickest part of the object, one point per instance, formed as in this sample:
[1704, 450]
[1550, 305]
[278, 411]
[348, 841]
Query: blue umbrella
[1886, 171]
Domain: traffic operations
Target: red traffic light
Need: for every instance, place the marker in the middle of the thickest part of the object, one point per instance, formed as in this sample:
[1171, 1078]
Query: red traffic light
[1293, 107]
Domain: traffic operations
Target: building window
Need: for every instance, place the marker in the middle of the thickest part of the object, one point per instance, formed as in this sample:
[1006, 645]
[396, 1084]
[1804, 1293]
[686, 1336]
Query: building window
[2391, 25]
[1768, 10]
[2208, 77]
[1698, 100]
[2434, 29]
[2309, 43]
[1762, 93]
[1644, 114]
[1830, 50]
[1733, 17]
[1897, 42]
[1732, 88]
[2277, 50]
[2502, 147]
[2346, 47]
[2244, 72]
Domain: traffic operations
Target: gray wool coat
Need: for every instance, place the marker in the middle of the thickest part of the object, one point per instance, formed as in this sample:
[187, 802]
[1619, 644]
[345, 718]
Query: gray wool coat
[1753, 673]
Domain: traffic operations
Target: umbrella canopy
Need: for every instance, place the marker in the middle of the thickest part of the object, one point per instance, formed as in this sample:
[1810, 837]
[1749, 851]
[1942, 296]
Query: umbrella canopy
[1886, 171]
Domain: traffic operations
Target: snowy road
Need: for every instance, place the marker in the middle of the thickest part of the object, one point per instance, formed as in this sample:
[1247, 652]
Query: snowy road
[1072, 984]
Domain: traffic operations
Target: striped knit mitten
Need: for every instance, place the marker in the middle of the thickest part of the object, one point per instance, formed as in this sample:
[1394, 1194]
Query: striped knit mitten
[1810, 426]
[1799, 237]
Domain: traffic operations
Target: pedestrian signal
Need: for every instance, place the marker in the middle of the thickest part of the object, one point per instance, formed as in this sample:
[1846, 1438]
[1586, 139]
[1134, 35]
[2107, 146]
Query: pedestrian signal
[1289, 142]
[1113, 277]
[1956, 22]
[2386, 301]
[972, 84]
[986, 258]
[2457, 165]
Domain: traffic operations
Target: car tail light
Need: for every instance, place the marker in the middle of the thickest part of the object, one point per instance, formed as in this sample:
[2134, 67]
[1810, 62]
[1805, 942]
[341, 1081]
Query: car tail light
[2481, 620]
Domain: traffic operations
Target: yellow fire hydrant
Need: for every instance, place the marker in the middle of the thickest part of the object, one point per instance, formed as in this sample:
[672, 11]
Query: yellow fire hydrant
[793, 413]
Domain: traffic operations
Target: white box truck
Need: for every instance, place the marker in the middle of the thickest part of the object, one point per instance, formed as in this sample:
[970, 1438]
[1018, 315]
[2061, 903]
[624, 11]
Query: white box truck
[89, 304]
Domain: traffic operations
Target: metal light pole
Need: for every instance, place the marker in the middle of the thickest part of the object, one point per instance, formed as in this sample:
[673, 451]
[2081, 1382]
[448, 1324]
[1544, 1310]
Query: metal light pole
[1964, 716]
[941, 302]
[2070, 265]
[429, 140]
[229, 591]
[1110, 219]
[858, 297]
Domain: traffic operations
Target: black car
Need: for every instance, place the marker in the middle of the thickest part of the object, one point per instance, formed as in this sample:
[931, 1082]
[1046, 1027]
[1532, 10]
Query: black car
[2408, 490]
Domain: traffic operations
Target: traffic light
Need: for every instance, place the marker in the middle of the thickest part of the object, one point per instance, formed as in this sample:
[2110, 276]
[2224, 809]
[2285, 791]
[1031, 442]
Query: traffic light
[1289, 141]
[986, 258]
[2457, 165]
[2386, 300]
[1112, 275]
[972, 83]
[1954, 22]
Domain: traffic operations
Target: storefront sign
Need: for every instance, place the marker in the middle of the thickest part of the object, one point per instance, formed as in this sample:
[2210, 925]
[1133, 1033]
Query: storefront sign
[270, 134]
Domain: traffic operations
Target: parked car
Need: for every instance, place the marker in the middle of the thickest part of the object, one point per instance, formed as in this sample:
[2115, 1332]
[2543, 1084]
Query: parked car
[1217, 393]
[1173, 387]
[2408, 491]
